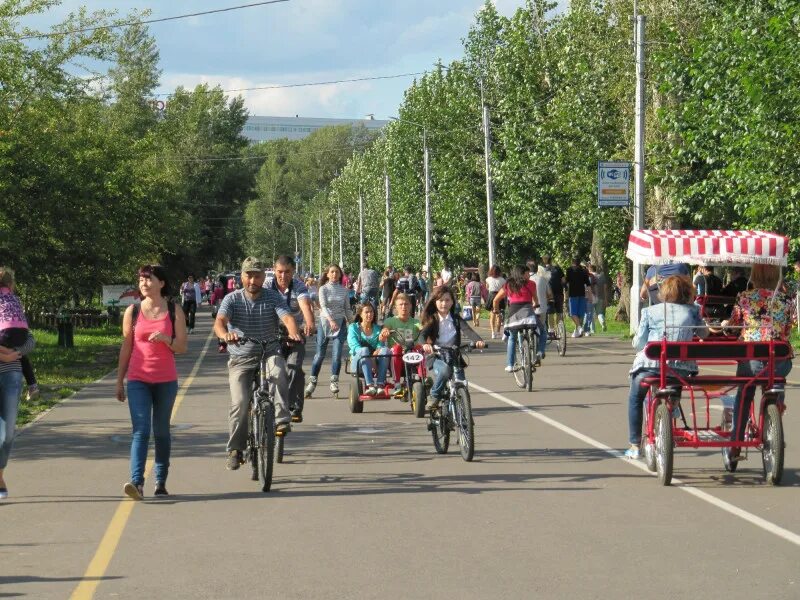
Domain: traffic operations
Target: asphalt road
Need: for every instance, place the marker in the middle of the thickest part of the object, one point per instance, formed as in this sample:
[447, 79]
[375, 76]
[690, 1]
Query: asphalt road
[364, 508]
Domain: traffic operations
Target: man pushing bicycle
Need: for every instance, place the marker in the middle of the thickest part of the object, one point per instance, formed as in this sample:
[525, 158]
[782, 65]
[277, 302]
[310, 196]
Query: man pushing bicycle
[254, 312]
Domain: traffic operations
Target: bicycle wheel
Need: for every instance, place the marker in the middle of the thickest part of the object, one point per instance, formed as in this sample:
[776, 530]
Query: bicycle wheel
[279, 446]
[465, 423]
[266, 447]
[439, 430]
[648, 449]
[726, 424]
[527, 360]
[519, 365]
[772, 445]
[252, 455]
[663, 449]
[561, 339]
[418, 399]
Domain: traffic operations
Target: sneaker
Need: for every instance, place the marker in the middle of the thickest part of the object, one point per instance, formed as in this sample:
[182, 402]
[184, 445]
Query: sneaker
[33, 392]
[538, 361]
[161, 489]
[312, 385]
[575, 333]
[580, 331]
[632, 453]
[334, 385]
[432, 403]
[134, 491]
[588, 334]
[371, 391]
[283, 428]
[3, 493]
[235, 459]
[509, 369]
[297, 416]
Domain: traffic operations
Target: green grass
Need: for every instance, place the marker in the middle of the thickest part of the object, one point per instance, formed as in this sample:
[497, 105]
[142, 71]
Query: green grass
[61, 372]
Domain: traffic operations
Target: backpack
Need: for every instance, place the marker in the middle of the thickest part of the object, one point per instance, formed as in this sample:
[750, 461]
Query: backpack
[413, 284]
[170, 310]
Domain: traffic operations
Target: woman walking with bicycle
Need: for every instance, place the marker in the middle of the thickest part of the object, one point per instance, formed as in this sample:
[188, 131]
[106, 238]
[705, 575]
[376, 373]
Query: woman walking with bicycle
[153, 333]
[522, 303]
[334, 303]
[494, 283]
[443, 326]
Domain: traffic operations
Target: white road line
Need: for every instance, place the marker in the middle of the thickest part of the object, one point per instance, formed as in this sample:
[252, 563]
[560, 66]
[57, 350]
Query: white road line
[768, 526]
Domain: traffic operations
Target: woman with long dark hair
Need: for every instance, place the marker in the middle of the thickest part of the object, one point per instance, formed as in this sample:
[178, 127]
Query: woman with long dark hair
[153, 333]
[521, 294]
[334, 303]
[443, 326]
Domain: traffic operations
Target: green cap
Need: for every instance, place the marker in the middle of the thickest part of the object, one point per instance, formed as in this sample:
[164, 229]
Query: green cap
[251, 263]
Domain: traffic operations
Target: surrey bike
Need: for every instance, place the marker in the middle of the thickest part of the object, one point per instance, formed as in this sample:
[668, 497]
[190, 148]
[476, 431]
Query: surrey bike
[665, 426]
[263, 442]
[454, 412]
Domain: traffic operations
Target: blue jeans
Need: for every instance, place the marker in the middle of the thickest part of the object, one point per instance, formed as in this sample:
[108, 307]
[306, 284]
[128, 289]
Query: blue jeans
[636, 398]
[10, 390]
[538, 346]
[441, 374]
[322, 348]
[749, 369]
[150, 403]
[367, 365]
[588, 318]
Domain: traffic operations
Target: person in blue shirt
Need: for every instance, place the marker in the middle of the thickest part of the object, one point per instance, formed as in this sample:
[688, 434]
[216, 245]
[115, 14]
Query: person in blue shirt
[658, 273]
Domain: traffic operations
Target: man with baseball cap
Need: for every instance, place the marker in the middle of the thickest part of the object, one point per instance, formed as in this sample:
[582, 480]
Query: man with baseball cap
[254, 312]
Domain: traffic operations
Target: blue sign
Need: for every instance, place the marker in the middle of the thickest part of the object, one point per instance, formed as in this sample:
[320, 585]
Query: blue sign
[613, 184]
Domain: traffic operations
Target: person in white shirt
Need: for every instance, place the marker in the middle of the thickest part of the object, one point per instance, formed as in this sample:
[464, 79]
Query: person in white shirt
[494, 283]
[446, 275]
[192, 297]
[545, 296]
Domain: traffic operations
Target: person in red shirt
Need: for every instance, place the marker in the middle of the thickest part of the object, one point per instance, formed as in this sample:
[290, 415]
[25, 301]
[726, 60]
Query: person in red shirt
[520, 292]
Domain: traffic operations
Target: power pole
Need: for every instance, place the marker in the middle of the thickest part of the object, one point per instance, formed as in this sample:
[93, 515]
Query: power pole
[361, 231]
[311, 245]
[341, 244]
[320, 243]
[388, 220]
[426, 160]
[487, 145]
[638, 166]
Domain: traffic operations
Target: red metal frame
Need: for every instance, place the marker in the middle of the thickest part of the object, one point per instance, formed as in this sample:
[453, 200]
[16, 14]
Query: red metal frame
[385, 393]
[712, 386]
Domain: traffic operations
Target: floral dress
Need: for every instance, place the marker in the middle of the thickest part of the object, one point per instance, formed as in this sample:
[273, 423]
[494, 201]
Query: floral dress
[762, 316]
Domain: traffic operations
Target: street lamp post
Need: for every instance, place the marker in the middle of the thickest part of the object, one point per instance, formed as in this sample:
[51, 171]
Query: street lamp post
[426, 165]
[297, 247]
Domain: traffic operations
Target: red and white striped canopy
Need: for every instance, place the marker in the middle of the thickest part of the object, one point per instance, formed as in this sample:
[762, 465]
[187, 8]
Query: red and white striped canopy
[707, 247]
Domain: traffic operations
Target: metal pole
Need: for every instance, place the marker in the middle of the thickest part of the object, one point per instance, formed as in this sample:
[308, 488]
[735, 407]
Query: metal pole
[311, 245]
[320, 243]
[361, 231]
[426, 159]
[388, 221]
[489, 198]
[341, 244]
[638, 166]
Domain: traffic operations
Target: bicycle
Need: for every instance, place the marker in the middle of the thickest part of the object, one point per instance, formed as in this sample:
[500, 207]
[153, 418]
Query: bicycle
[455, 409]
[263, 441]
[558, 332]
[526, 331]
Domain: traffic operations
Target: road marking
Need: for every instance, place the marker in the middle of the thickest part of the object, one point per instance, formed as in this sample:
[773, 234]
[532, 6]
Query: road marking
[86, 589]
[768, 526]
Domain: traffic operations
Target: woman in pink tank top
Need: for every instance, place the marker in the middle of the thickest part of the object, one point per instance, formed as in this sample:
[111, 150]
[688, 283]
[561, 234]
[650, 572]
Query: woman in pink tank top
[152, 338]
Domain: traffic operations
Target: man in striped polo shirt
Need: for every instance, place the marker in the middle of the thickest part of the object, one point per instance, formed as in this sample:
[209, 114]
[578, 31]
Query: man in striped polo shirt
[254, 312]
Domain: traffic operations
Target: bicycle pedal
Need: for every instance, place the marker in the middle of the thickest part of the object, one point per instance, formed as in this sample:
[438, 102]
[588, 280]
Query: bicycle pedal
[280, 433]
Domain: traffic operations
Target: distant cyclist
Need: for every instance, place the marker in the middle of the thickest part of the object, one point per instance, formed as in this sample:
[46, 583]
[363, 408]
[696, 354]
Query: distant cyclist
[255, 312]
[296, 295]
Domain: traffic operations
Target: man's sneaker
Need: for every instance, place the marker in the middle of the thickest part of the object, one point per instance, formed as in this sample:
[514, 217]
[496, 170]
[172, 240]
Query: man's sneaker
[509, 369]
[632, 453]
[431, 403]
[234, 460]
[3, 493]
[580, 331]
[297, 416]
[283, 428]
[33, 392]
[312, 385]
[538, 361]
[161, 489]
[575, 334]
[134, 491]
[334, 385]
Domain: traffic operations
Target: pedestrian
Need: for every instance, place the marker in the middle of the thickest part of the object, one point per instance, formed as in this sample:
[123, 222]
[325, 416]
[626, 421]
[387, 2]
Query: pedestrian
[153, 333]
[334, 305]
[14, 328]
[656, 274]
[494, 283]
[472, 293]
[446, 275]
[16, 342]
[545, 297]
[588, 318]
[409, 285]
[576, 281]
[601, 295]
[557, 288]
[192, 298]
[367, 285]
[388, 286]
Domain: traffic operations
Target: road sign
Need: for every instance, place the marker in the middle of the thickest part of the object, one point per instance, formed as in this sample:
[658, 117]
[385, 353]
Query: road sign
[613, 184]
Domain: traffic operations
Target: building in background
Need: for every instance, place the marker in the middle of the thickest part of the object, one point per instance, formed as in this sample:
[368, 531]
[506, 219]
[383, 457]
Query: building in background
[262, 129]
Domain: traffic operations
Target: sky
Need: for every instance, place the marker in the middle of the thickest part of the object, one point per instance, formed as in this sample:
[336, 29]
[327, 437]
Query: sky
[302, 41]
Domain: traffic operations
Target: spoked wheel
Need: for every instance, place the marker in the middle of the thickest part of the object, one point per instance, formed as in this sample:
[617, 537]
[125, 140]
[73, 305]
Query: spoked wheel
[519, 362]
[464, 423]
[252, 453]
[648, 448]
[561, 339]
[279, 443]
[727, 425]
[663, 445]
[418, 399]
[356, 405]
[772, 445]
[527, 361]
[439, 431]
[266, 448]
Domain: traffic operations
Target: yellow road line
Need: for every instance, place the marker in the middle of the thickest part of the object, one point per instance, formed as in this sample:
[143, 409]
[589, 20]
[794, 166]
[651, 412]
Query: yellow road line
[86, 589]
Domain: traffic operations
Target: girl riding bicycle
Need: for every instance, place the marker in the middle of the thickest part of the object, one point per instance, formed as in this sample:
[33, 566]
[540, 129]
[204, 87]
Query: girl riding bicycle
[443, 326]
[522, 298]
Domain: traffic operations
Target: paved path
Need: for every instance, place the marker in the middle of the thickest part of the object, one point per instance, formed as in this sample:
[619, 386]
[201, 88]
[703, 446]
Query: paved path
[364, 508]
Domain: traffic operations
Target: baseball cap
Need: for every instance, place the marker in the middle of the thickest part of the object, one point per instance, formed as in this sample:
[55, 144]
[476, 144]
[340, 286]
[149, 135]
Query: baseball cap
[251, 263]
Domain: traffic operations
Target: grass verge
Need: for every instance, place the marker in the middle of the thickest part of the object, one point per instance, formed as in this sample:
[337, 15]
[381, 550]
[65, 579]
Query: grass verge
[61, 372]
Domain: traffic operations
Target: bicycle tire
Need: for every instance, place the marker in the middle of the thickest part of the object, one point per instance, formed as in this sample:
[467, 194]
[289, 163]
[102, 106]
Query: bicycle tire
[266, 447]
[519, 367]
[527, 360]
[773, 446]
[252, 455]
[664, 444]
[440, 431]
[561, 340]
[465, 423]
[280, 441]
